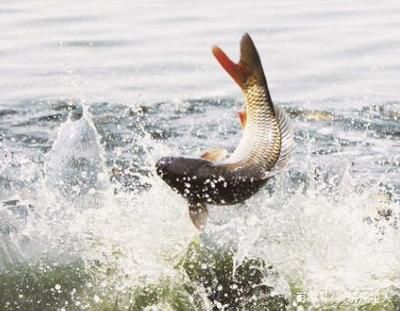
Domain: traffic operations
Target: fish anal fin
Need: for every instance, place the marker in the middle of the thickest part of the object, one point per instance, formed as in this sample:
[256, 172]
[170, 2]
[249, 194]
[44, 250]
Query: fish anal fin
[214, 155]
[243, 118]
[198, 213]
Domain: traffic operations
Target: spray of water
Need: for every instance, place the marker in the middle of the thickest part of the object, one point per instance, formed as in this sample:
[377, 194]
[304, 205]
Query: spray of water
[322, 230]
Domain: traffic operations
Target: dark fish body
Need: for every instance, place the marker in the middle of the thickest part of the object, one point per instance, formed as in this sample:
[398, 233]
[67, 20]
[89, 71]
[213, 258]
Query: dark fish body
[264, 149]
[201, 181]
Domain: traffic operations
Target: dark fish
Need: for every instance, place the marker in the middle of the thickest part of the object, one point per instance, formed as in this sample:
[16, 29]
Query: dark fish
[264, 149]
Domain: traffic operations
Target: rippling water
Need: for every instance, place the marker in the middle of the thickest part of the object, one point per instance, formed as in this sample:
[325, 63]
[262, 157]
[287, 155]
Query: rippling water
[92, 94]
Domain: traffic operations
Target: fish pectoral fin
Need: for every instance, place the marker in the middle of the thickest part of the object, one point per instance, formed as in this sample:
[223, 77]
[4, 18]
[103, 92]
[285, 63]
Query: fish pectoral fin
[214, 155]
[198, 213]
[243, 118]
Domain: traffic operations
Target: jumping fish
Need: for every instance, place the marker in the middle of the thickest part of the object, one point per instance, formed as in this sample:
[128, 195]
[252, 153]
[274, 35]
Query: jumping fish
[264, 149]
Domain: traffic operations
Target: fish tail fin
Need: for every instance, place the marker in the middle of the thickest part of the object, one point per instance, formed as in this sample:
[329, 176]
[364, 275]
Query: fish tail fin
[250, 59]
[249, 64]
[198, 214]
[236, 71]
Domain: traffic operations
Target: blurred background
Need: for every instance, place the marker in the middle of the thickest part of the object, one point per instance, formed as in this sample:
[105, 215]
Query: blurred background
[126, 50]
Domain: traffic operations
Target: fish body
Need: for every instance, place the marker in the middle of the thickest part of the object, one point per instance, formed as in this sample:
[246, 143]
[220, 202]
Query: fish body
[201, 180]
[264, 148]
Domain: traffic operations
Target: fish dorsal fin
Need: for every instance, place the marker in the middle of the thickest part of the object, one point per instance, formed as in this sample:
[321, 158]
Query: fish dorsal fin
[198, 213]
[214, 155]
[286, 141]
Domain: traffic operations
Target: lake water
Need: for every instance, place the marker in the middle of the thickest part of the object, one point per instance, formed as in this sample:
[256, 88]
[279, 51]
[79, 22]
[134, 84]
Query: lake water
[93, 93]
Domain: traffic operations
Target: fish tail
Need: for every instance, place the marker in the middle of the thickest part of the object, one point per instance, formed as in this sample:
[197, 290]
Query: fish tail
[249, 65]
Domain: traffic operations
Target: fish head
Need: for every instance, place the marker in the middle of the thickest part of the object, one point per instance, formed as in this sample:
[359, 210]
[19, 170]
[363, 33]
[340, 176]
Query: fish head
[184, 175]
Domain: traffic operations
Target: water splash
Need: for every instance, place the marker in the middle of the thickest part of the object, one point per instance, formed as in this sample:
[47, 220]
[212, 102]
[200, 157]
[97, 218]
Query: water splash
[75, 167]
[324, 242]
[319, 225]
